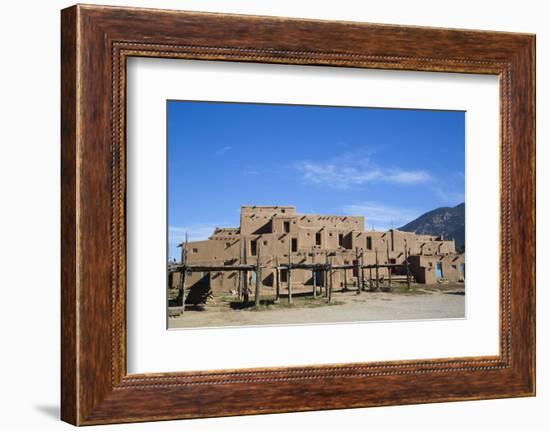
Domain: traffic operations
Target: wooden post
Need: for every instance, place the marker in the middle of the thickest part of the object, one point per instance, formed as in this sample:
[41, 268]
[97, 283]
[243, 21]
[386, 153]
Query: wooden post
[377, 275]
[370, 278]
[289, 278]
[357, 269]
[314, 274]
[239, 283]
[407, 266]
[258, 276]
[362, 270]
[329, 294]
[327, 275]
[245, 277]
[240, 273]
[345, 279]
[277, 280]
[183, 271]
[388, 259]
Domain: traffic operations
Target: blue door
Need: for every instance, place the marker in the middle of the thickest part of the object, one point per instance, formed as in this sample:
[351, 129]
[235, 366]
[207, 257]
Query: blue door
[438, 270]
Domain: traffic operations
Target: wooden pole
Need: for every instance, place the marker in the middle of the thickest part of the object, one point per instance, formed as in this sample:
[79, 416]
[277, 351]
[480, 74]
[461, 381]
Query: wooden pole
[313, 274]
[239, 273]
[370, 278]
[388, 259]
[182, 273]
[329, 294]
[407, 266]
[277, 280]
[245, 277]
[258, 276]
[357, 269]
[362, 270]
[289, 278]
[345, 279]
[327, 275]
[377, 275]
[239, 283]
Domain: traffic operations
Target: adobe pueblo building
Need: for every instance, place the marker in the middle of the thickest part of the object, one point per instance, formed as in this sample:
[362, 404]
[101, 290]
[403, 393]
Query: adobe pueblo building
[321, 251]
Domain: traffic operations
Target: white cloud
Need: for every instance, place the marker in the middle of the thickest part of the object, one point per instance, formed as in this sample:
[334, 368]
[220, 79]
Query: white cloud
[348, 171]
[451, 192]
[223, 150]
[198, 232]
[450, 197]
[249, 172]
[382, 216]
[408, 177]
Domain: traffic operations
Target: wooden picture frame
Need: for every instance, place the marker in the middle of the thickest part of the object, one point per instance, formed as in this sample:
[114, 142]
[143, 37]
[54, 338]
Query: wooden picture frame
[95, 43]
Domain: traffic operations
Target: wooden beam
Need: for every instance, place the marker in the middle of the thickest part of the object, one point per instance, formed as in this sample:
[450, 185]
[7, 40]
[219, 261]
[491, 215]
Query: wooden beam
[289, 278]
[407, 251]
[277, 280]
[217, 268]
[252, 267]
[313, 273]
[245, 274]
[362, 270]
[376, 267]
[239, 273]
[370, 277]
[329, 293]
[327, 274]
[388, 261]
[357, 269]
[345, 279]
[182, 273]
[258, 274]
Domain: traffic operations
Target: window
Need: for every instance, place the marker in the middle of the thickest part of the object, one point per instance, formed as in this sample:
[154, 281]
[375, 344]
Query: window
[318, 238]
[340, 239]
[286, 227]
[294, 244]
[227, 244]
[369, 243]
[265, 242]
[253, 247]
[439, 270]
[195, 250]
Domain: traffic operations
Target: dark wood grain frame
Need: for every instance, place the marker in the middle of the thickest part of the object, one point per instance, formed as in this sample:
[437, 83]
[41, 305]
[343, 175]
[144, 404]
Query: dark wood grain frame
[96, 42]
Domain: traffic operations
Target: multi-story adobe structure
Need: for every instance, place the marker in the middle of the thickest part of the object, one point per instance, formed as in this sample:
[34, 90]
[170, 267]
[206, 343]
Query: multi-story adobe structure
[272, 232]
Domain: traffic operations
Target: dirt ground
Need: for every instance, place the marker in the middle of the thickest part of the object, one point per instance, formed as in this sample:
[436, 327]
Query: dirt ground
[420, 302]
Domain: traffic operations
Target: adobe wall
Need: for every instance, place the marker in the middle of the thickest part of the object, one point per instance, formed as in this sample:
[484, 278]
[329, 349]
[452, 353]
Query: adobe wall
[424, 268]
[274, 231]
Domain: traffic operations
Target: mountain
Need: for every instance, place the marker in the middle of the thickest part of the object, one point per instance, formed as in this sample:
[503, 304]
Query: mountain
[445, 221]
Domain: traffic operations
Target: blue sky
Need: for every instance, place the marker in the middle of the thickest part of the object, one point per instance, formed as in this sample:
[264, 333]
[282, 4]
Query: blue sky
[390, 165]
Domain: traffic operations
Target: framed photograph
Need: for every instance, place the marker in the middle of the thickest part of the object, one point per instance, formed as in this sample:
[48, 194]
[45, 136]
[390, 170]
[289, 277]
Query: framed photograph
[265, 215]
